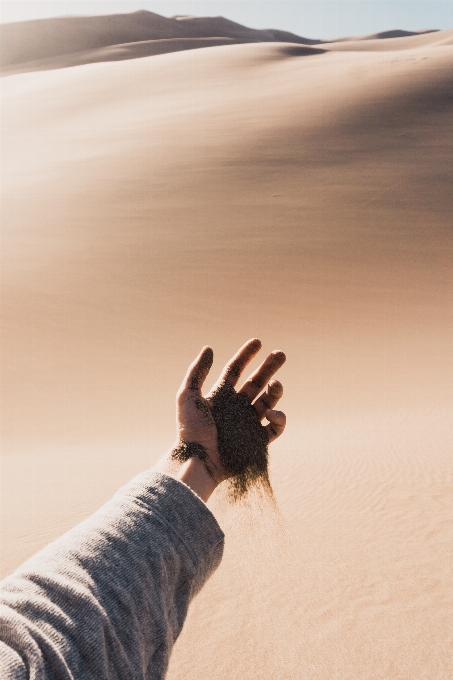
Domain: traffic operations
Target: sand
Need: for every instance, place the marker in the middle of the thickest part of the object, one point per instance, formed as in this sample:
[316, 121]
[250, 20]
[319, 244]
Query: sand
[156, 205]
[70, 41]
[239, 429]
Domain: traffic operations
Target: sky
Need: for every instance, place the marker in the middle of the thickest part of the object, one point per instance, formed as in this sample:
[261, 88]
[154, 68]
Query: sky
[309, 18]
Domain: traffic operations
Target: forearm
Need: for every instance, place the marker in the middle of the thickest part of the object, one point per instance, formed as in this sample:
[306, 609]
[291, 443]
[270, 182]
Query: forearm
[109, 598]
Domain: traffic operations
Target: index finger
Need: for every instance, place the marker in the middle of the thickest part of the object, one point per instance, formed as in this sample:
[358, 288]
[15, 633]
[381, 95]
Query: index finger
[198, 370]
[232, 371]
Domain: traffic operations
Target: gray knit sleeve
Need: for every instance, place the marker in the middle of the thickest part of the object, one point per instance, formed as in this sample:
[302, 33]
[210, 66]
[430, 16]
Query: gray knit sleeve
[108, 599]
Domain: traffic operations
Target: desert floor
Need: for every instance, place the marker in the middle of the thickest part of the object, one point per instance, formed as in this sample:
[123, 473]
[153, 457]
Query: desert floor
[155, 205]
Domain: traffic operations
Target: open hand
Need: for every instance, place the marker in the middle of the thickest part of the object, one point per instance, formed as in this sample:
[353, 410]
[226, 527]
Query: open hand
[195, 420]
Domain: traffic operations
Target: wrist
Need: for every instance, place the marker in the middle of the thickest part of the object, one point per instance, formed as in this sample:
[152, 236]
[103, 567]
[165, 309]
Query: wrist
[195, 474]
[197, 470]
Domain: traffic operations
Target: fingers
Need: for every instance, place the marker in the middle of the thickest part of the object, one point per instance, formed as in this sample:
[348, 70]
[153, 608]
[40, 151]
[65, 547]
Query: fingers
[277, 422]
[269, 398]
[232, 371]
[198, 370]
[256, 382]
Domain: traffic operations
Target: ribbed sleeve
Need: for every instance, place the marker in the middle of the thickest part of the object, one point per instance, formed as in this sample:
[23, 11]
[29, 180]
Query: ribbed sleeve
[108, 599]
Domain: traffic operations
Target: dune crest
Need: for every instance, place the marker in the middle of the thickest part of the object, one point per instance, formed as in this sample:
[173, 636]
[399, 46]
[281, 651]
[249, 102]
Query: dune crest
[47, 44]
[385, 35]
[43, 40]
[380, 43]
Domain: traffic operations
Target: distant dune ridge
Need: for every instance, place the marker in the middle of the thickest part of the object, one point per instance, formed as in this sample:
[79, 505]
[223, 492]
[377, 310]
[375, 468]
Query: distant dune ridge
[70, 41]
[29, 41]
[384, 35]
[156, 205]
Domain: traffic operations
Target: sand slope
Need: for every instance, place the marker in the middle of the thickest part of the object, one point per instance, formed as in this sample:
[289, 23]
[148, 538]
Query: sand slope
[384, 35]
[134, 50]
[71, 41]
[155, 205]
[120, 52]
[408, 42]
[25, 42]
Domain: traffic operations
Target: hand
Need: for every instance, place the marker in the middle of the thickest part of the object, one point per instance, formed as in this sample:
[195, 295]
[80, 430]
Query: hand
[195, 421]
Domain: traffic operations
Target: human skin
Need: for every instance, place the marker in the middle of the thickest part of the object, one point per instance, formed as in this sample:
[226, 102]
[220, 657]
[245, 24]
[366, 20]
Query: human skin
[195, 424]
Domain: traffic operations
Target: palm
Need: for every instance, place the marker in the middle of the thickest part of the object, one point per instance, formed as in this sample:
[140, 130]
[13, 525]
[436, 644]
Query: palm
[194, 419]
[195, 422]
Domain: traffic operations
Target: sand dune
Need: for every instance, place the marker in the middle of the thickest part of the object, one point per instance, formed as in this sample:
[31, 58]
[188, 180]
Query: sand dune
[23, 43]
[409, 42]
[383, 35]
[154, 205]
[133, 50]
[72, 41]
[396, 34]
[144, 48]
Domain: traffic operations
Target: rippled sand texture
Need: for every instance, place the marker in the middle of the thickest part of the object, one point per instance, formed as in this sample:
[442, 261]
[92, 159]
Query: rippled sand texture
[154, 205]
